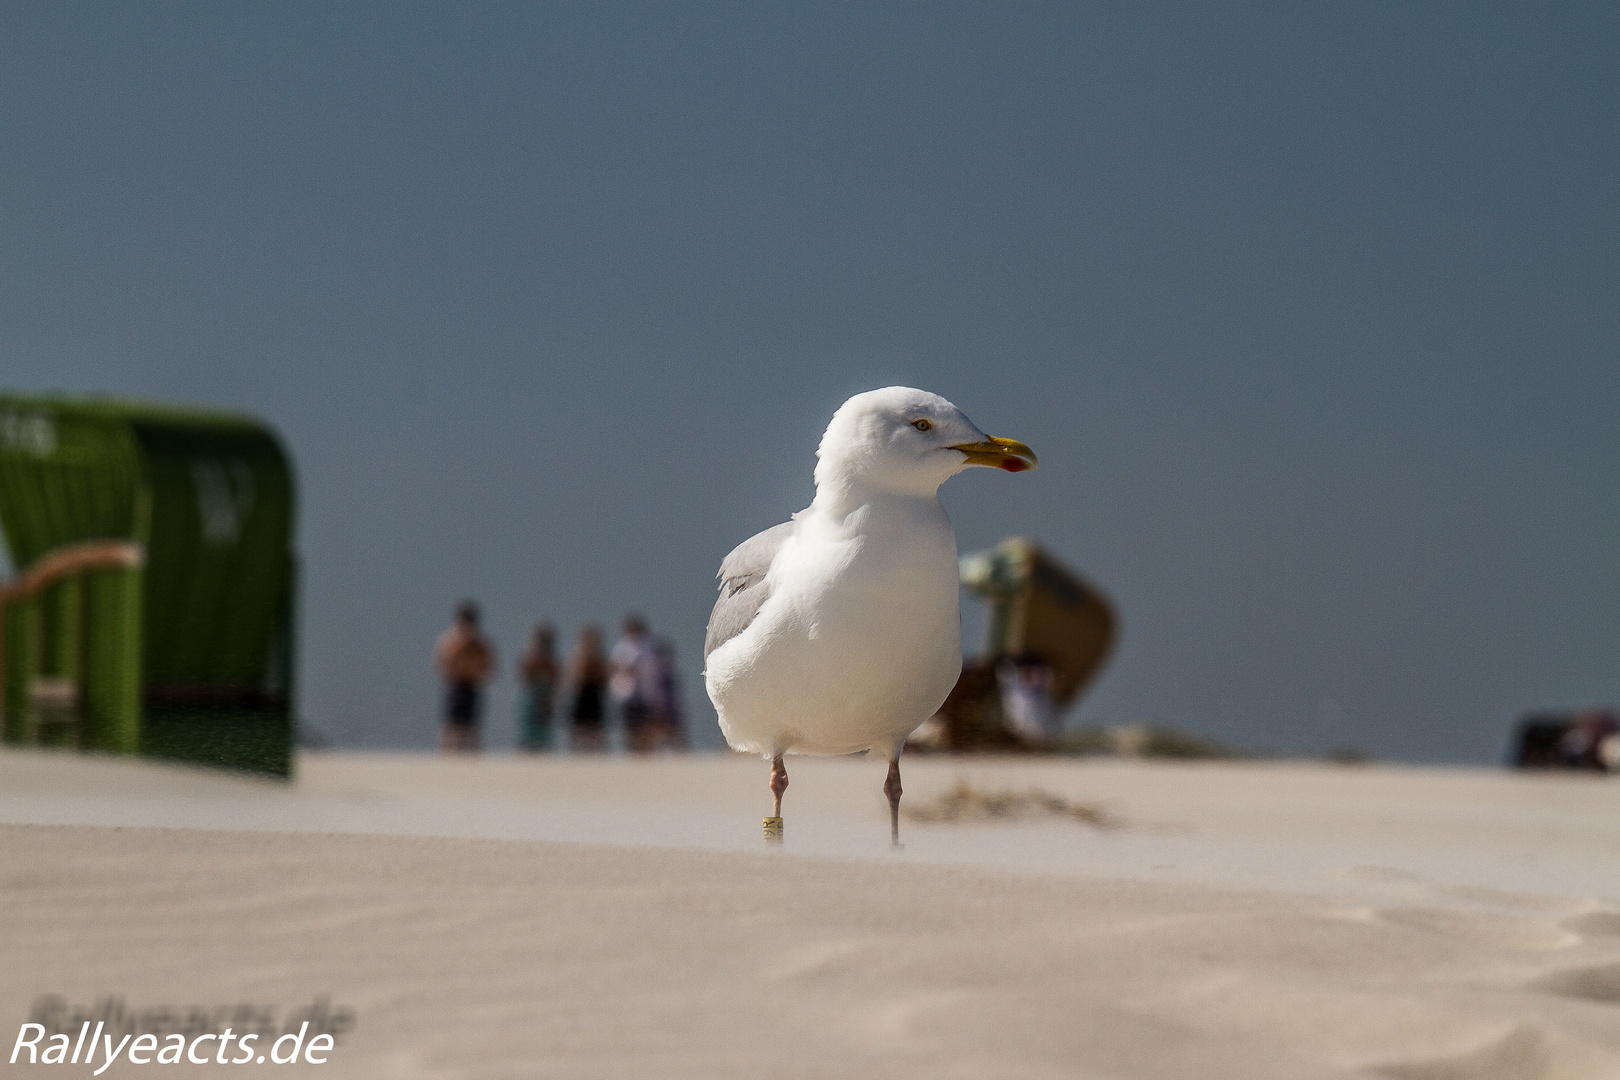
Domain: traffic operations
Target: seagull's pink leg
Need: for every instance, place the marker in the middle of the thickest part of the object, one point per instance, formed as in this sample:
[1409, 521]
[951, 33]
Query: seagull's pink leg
[773, 824]
[779, 783]
[891, 788]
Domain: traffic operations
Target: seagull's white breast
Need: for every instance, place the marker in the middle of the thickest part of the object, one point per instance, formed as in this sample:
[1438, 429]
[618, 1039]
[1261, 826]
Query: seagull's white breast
[859, 641]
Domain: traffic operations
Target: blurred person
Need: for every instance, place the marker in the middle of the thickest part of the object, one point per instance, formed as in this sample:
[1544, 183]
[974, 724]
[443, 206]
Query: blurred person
[632, 683]
[1026, 699]
[588, 675]
[465, 660]
[668, 722]
[539, 672]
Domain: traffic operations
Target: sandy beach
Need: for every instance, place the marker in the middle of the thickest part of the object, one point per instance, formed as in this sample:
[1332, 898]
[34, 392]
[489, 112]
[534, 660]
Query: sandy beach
[620, 918]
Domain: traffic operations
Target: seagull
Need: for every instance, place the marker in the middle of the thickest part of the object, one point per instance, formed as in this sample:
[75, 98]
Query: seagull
[838, 631]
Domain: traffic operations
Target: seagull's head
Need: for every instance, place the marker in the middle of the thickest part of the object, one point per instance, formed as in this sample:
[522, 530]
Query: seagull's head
[909, 442]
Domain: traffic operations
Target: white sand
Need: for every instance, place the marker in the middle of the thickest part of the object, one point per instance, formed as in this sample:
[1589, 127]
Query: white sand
[611, 918]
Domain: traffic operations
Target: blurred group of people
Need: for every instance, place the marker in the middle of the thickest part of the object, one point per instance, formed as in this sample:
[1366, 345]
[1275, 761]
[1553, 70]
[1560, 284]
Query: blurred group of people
[636, 682]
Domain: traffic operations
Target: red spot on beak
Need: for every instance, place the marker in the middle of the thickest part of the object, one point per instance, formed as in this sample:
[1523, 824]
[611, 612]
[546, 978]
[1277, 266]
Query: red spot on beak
[1013, 464]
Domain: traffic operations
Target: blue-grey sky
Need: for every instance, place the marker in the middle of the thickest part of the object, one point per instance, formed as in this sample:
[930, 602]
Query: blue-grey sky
[1312, 313]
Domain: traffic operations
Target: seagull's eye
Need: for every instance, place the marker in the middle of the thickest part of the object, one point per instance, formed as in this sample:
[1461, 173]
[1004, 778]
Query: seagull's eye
[922, 425]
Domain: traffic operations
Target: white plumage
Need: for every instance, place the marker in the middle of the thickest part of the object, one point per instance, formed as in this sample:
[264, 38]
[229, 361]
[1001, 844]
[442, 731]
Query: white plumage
[839, 631]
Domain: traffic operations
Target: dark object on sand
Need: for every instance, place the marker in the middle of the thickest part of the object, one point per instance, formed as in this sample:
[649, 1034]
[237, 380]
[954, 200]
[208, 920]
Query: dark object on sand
[1589, 739]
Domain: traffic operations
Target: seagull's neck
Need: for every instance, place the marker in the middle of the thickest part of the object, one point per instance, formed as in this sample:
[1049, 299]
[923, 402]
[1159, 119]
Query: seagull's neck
[839, 496]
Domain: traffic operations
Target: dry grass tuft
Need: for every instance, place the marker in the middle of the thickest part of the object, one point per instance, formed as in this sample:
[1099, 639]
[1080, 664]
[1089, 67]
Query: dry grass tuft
[964, 802]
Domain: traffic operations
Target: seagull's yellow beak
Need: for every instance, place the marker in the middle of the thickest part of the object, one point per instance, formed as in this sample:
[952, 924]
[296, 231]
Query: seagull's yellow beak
[1008, 454]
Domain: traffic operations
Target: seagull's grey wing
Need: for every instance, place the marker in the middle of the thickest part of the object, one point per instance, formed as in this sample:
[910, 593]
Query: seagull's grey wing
[742, 585]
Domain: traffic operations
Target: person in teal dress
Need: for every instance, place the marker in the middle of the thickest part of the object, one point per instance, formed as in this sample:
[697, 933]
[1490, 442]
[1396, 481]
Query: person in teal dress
[539, 672]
